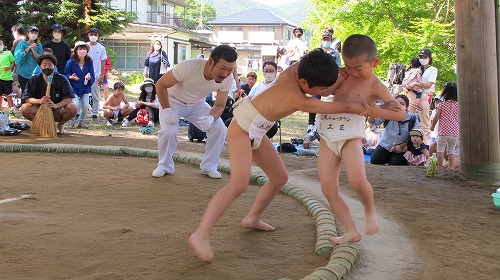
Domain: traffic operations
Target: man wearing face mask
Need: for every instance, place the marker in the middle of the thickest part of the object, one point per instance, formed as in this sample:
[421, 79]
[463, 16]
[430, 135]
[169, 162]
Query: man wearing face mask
[60, 98]
[326, 45]
[297, 47]
[98, 54]
[429, 76]
[61, 49]
[26, 55]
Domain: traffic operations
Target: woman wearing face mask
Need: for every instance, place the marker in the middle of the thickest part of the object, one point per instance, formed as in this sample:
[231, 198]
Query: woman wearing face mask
[26, 55]
[429, 76]
[156, 62]
[80, 73]
[270, 70]
[148, 101]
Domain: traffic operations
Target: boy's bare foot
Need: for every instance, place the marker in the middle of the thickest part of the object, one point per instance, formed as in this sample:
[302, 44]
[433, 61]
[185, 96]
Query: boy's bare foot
[371, 226]
[201, 247]
[62, 131]
[348, 237]
[257, 225]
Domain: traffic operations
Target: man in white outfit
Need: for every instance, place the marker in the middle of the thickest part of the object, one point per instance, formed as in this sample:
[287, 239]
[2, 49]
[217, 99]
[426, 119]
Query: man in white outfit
[181, 93]
[98, 54]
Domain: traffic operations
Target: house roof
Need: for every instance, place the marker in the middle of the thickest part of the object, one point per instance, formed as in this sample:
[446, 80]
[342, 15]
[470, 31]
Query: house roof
[252, 17]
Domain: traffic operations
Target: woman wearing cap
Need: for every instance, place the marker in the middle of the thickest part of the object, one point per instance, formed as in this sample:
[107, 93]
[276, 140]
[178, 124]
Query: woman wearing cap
[155, 61]
[429, 76]
[61, 49]
[80, 72]
[148, 101]
[26, 55]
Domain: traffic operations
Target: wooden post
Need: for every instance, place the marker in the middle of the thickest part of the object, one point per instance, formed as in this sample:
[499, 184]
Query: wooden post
[478, 87]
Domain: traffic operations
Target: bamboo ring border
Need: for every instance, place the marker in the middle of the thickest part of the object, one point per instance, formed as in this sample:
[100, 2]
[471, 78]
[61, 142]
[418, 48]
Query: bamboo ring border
[339, 264]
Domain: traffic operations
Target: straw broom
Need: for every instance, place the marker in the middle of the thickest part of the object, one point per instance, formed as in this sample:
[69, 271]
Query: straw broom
[43, 123]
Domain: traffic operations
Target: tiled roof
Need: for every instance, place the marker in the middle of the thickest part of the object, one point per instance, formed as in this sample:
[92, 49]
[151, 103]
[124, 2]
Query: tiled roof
[252, 17]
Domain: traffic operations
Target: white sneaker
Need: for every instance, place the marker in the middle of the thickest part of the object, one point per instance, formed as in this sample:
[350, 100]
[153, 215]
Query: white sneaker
[212, 174]
[109, 123]
[159, 172]
[126, 123]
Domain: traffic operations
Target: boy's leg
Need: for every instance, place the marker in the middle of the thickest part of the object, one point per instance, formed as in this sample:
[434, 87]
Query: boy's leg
[329, 171]
[240, 156]
[356, 174]
[268, 159]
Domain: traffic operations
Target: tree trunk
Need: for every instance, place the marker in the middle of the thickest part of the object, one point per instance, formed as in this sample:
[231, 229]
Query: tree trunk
[478, 89]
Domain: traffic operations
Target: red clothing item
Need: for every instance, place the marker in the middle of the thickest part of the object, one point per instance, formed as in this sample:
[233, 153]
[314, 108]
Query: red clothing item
[448, 120]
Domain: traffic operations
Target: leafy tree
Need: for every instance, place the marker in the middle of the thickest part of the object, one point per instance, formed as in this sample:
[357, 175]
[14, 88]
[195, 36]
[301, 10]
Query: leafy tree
[192, 14]
[400, 29]
[9, 17]
[75, 16]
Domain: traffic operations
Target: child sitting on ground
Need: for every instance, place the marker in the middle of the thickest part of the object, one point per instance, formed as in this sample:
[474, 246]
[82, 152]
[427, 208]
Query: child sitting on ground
[247, 140]
[342, 134]
[417, 153]
[112, 107]
[413, 81]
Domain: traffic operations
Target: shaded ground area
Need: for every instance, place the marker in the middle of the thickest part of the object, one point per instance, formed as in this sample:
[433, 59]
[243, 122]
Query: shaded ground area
[107, 218]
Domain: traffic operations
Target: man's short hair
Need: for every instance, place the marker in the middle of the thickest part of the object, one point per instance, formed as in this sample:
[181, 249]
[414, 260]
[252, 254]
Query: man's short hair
[252, 74]
[318, 68]
[118, 85]
[224, 52]
[47, 56]
[357, 45]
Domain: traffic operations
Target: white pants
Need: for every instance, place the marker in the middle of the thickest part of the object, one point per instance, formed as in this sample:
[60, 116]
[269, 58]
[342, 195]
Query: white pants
[167, 135]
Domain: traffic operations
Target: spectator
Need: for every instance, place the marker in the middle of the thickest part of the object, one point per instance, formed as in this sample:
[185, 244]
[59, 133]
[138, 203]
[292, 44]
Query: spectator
[26, 55]
[297, 47]
[60, 96]
[156, 63]
[80, 72]
[18, 34]
[448, 126]
[417, 153]
[113, 106]
[148, 101]
[98, 54]
[245, 89]
[37, 69]
[394, 138]
[105, 88]
[336, 43]
[412, 82]
[282, 59]
[60, 48]
[429, 76]
[7, 64]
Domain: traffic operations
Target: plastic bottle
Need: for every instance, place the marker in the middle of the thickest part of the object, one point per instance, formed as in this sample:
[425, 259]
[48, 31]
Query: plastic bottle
[431, 170]
[87, 78]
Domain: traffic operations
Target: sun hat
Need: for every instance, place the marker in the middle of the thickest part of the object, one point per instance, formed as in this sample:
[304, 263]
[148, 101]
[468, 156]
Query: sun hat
[51, 57]
[33, 28]
[439, 98]
[147, 81]
[417, 132]
[82, 43]
[146, 129]
[57, 27]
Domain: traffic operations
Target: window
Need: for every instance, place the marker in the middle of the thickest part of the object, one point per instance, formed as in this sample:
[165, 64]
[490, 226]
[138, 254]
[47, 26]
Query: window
[131, 5]
[180, 52]
[288, 34]
[232, 28]
[129, 55]
[266, 29]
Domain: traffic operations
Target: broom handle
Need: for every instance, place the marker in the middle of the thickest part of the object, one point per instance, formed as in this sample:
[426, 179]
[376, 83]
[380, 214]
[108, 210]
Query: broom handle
[49, 83]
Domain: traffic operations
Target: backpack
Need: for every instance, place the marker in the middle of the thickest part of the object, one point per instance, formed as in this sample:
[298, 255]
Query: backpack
[142, 116]
[396, 73]
[411, 122]
[108, 64]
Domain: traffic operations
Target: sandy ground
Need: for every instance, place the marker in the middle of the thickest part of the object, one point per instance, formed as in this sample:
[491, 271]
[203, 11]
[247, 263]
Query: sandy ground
[104, 217]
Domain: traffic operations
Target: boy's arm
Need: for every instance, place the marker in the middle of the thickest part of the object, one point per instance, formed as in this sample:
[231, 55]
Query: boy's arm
[343, 75]
[392, 109]
[125, 100]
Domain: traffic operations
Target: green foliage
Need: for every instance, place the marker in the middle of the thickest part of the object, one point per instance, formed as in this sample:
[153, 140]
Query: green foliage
[9, 17]
[400, 29]
[71, 15]
[131, 78]
[191, 14]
